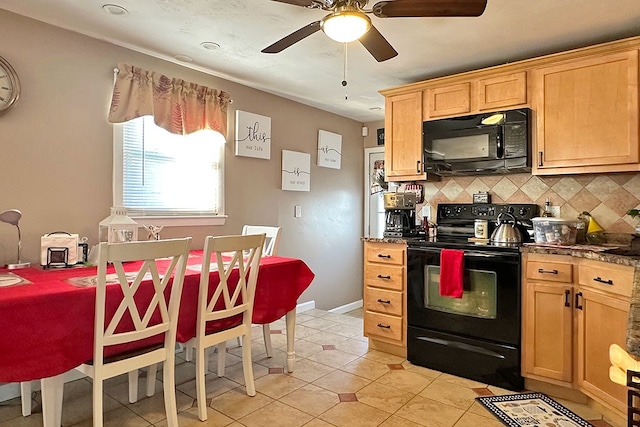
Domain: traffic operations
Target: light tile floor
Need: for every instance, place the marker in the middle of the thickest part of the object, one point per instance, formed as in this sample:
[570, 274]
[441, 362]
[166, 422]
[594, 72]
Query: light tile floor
[337, 382]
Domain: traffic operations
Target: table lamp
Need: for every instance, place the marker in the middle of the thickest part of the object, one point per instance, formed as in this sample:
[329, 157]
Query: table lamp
[12, 216]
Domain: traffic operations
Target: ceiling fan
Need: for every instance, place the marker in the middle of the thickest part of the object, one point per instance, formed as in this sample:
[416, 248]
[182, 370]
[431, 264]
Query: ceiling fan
[348, 20]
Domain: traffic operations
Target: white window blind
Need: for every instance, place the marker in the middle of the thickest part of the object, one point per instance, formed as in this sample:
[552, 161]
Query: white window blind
[165, 174]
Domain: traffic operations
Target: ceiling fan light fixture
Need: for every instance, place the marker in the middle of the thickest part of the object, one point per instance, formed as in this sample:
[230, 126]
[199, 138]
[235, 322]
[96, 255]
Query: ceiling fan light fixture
[345, 26]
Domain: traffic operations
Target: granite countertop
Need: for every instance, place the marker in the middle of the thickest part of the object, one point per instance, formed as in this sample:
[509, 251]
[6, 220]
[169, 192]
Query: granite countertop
[584, 251]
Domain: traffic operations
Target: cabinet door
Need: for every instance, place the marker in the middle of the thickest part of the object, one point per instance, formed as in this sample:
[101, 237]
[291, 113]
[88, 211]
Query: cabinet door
[587, 114]
[548, 336]
[448, 100]
[602, 321]
[502, 91]
[403, 137]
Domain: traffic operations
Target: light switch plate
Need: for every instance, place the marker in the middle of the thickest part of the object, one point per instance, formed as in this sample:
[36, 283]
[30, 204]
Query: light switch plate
[298, 211]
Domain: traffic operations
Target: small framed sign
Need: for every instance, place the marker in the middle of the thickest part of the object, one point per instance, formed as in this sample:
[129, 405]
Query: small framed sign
[381, 136]
[253, 135]
[329, 149]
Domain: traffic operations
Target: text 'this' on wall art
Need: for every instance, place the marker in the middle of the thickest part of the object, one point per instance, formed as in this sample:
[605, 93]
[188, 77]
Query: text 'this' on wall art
[253, 135]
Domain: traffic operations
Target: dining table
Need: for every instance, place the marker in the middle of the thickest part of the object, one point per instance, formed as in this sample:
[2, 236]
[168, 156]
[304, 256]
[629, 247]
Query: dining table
[47, 315]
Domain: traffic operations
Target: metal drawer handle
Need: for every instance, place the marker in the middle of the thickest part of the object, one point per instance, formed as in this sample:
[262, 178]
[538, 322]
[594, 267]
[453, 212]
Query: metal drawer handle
[601, 280]
[578, 305]
[380, 325]
[542, 271]
[381, 301]
[380, 276]
[384, 256]
[567, 292]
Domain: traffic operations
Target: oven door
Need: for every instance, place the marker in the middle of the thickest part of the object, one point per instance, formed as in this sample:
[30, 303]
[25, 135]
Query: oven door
[490, 306]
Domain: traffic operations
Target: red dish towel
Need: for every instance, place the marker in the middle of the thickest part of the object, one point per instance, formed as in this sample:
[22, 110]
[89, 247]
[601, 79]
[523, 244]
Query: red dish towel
[451, 272]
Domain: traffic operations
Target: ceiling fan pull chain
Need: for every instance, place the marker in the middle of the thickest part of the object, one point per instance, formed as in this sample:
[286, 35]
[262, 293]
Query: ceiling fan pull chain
[344, 73]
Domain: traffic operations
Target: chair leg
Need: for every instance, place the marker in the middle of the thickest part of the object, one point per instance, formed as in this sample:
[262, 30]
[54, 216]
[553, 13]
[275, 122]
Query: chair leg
[133, 386]
[266, 333]
[97, 402]
[201, 394]
[151, 379]
[188, 352]
[169, 385]
[247, 367]
[222, 355]
[25, 397]
[239, 339]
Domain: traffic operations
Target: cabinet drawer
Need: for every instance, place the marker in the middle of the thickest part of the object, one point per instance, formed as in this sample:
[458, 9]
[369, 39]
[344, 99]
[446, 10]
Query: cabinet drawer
[384, 276]
[550, 271]
[389, 253]
[383, 301]
[382, 326]
[608, 277]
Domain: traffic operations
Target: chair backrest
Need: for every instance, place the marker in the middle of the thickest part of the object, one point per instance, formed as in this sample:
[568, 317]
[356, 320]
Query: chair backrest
[150, 314]
[237, 261]
[272, 237]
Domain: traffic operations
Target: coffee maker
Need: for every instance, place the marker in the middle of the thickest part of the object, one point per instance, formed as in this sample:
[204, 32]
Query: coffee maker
[400, 215]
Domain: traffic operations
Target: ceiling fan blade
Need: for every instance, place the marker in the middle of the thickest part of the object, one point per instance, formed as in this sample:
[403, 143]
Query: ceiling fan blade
[377, 45]
[292, 38]
[303, 3]
[427, 8]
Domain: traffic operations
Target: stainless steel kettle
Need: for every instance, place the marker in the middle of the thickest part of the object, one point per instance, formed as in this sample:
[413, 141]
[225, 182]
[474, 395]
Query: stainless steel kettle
[506, 233]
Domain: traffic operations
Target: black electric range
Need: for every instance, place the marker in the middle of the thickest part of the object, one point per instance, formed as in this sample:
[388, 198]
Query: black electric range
[455, 225]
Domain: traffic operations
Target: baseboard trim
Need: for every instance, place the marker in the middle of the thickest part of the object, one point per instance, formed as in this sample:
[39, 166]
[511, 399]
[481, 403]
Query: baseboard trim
[347, 307]
[305, 306]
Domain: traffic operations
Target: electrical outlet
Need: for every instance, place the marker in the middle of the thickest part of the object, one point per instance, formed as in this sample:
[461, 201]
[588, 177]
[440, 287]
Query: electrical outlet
[298, 211]
[555, 211]
[426, 212]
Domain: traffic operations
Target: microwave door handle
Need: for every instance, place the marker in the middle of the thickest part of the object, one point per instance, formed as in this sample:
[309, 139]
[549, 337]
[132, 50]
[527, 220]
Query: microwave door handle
[499, 142]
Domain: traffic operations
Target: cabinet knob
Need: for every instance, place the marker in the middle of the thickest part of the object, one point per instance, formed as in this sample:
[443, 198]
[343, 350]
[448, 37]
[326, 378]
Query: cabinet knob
[380, 276]
[543, 271]
[567, 293]
[384, 256]
[578, 305]
[380, 325]
[382, 301]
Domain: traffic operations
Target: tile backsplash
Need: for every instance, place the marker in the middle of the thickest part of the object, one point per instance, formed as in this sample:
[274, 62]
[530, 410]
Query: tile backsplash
[606, 196]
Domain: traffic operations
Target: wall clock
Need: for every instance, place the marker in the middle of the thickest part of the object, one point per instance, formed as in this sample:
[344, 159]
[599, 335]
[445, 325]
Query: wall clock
[9, 86]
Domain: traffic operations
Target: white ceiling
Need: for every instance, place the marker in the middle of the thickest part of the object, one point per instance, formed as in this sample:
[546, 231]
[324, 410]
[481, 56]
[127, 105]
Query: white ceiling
[311, 71]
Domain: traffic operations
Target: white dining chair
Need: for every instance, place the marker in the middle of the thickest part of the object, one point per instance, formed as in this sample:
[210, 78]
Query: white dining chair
[136, 320]
[270, 249]
[229, 301]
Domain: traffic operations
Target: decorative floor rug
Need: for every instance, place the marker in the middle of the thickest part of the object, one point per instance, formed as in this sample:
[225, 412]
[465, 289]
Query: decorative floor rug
[531, 409]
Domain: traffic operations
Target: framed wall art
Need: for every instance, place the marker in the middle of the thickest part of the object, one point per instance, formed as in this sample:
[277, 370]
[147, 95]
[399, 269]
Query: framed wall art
[296, 171]
[329, 149]
[253, 135]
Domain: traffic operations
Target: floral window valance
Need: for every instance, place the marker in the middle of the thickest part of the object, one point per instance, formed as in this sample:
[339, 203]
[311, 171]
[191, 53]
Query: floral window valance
[179, 107]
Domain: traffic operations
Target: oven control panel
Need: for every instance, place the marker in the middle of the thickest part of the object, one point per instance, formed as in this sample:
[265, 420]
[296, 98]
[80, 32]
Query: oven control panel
[489, 211]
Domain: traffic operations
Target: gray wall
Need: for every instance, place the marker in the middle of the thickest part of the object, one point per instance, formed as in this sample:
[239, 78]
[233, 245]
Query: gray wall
[56, 158]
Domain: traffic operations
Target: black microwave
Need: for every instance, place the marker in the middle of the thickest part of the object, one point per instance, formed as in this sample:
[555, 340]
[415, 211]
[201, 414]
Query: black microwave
[487, 143]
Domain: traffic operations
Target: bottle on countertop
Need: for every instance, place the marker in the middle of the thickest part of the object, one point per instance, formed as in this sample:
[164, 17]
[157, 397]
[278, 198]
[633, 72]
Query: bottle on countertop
[547, 208]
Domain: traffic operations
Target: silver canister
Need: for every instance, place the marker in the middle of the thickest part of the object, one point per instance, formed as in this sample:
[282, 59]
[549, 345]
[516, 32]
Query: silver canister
[481, 229]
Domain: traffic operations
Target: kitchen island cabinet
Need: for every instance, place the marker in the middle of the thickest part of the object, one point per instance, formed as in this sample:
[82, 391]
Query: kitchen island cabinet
[385, 278]
[573, 310]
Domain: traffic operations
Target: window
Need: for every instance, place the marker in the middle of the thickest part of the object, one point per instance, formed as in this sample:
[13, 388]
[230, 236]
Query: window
[166, 178]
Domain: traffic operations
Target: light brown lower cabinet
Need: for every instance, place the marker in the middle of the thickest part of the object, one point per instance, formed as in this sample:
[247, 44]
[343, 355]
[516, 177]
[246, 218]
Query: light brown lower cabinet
[385, 278]
[573, 310]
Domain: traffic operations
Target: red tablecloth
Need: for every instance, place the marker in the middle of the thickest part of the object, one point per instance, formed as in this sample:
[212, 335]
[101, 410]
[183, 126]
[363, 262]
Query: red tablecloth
[46, 327]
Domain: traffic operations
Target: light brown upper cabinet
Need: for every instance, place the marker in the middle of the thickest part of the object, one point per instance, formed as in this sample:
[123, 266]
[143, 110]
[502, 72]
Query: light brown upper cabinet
[448, 100]
[502, 91]
[587, 115]
[403, 137]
